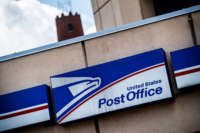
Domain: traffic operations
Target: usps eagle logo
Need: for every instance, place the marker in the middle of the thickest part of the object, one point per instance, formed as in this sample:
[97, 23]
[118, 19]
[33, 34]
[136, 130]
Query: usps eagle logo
[80, 85]
[76, 89]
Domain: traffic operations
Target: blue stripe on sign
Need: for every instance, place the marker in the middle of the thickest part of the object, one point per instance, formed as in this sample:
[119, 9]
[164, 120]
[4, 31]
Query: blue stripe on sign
[109, 72]
[23, 99]
[185, 58]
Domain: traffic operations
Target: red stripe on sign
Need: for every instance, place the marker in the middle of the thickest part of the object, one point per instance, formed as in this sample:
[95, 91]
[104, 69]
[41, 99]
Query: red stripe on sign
[24, 112]
[59, 121]
[187, 72]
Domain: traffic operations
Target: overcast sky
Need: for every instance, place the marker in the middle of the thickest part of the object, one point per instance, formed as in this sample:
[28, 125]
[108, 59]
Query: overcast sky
[27, 24]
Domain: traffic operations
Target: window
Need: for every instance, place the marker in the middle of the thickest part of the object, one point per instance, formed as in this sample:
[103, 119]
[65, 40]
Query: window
[152, 8]
[166, 6]
[70, 27]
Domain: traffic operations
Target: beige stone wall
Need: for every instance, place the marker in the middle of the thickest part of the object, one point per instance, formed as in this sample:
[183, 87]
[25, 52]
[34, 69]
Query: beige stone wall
[107, 15]
[196, 21]
[147, 8]
[178, 115]
[171, 34]
[101, 2]
[116, 7]
[98, 22]
[36, 69]
[114, 13]
[94, 5]
[130, 11]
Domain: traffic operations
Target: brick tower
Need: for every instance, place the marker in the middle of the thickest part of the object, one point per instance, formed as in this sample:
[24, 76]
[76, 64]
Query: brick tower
[68, 26]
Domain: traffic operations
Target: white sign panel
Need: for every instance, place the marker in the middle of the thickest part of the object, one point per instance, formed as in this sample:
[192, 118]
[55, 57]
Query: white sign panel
[111, 86]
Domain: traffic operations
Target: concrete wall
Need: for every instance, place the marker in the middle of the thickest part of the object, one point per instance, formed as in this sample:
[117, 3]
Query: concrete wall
[196, 21]
[117, 12]
[178, 115]
[36, 69]
[101, 2]
[171, 35]
[147, 8]
[94, 5]
[98, 23]
[103, 10]
[114, 13]
[107, 15]
[130, 11]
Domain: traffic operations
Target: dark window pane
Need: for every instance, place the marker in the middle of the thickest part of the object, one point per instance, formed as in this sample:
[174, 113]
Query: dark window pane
[165, 6]
[70, 27]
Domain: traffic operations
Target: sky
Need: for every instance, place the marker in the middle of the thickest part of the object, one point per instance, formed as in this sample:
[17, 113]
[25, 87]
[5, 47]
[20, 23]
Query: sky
[27, 24]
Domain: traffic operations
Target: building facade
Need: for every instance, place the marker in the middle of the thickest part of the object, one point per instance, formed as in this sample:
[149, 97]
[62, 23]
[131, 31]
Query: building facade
[114, 13]
[172, 31]
[68, 26]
